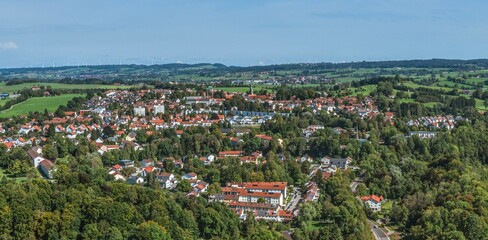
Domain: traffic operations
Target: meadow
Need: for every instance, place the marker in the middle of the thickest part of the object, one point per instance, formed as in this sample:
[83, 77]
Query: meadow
[38, 104]
[3, 101]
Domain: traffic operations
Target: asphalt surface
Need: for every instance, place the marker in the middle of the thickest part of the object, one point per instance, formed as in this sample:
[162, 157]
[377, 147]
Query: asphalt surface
[355, 184]
[378, 233]
[295, 199]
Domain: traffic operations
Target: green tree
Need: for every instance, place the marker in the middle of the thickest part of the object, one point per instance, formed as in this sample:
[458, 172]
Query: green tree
[49, 152]
[151, 230]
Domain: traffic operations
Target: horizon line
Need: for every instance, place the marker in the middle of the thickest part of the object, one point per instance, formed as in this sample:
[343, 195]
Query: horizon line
[240, 66]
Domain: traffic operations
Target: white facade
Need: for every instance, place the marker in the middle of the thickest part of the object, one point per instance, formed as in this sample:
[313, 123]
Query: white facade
[140, 111]
[158, 109]
[373, 205]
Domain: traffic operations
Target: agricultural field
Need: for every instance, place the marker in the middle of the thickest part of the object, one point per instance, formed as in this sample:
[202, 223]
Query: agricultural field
[38, 104]
[15, 88]
[415, 85]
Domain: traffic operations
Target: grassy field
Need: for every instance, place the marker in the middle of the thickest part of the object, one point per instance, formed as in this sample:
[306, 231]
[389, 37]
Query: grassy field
[38, 104]
[18, 179]
[15, 88]
[363, 90]
[3, 101]
[315, 225]
[415, 86]
[241, 89]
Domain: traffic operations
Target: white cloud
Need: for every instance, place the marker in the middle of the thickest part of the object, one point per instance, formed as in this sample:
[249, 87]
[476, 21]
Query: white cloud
[8, 45]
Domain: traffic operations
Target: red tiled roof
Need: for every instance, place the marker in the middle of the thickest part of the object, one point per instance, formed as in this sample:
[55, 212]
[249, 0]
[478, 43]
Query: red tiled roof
[264, 137]
[263, 185]
[260, 194]
[230, 153]
[372, 197]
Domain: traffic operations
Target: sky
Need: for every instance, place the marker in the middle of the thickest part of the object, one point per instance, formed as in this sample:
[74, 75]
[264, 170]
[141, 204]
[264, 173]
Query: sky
[238, 32]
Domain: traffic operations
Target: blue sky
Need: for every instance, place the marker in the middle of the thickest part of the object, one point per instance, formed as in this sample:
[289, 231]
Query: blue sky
[248, 32]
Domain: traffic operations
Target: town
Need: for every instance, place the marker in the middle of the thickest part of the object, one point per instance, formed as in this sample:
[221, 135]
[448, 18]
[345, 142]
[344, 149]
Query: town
[237, 158]
[186, 141]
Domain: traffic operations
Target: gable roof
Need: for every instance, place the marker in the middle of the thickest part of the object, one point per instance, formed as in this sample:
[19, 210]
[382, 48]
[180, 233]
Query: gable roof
[372, 197]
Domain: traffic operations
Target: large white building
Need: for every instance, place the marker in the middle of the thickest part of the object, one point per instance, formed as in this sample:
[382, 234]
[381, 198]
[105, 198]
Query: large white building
[158, 109]
[253, 197]
[140, 111]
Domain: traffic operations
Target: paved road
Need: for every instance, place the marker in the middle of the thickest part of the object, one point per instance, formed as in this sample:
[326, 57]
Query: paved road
[295, 199]
[378, 233]
[355, 184]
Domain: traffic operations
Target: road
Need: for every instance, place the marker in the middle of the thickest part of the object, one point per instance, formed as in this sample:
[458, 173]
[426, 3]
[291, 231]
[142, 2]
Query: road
[378, 233]
[294, 200]
[355, 184]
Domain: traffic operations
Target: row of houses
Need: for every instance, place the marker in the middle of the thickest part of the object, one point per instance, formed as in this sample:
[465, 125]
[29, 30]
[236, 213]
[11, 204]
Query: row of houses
[264, 199]
[436, 122]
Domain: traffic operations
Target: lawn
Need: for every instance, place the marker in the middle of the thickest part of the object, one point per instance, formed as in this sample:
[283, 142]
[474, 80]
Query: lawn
[480, 104]
[315, 225]
[363, 90]
[38, 104]
[452, 84]
[415, 85]
[3, 101]
[387, 206]
[15, 88]
[3, 173]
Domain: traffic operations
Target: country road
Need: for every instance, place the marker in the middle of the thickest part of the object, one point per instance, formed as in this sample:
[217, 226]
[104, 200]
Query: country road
[378, 233]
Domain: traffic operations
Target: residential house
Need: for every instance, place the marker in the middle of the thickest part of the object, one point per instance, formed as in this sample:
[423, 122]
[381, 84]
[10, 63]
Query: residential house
[342, 163]
[35, 154]
[47, 168]
[373, 202]
[135, 179]
[189, 176]
[147, 163]
[131, 136]
[225, 154]
[423, 134]
[207, 160]
[167, 180]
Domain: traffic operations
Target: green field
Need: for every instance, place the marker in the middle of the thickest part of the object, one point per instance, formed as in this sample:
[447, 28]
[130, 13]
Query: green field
[38, 104]
[240, 89]
[415, 86]
[15, 88]
[3, 101]
[363, 90]
[4, 174]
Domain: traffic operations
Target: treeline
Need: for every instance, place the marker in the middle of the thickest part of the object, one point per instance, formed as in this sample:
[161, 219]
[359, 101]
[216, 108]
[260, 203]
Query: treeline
[214, 70]
[300, 93]
[18, 81]
[243, 105]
